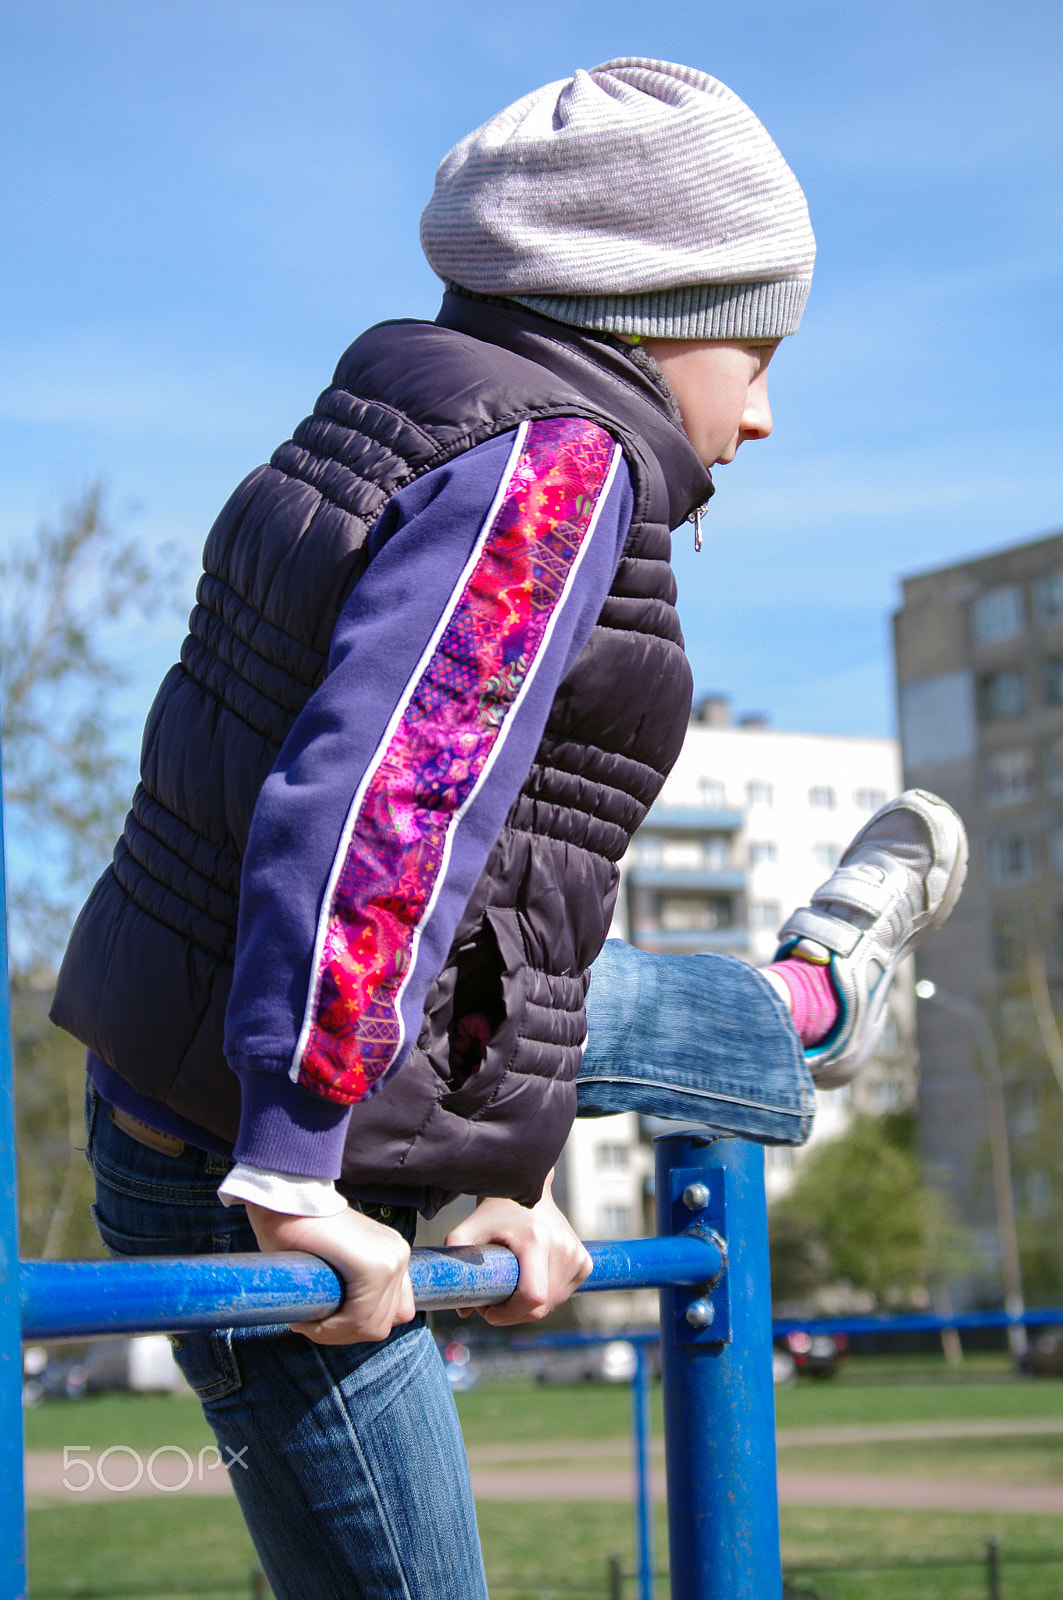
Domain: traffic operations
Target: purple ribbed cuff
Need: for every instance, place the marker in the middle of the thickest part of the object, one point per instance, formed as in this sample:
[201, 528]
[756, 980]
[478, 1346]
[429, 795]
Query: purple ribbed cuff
[284, 1128]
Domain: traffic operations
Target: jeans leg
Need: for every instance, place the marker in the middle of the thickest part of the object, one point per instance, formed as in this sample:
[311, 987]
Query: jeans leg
[347, 1461]
[351, 1474]
[694, 1038]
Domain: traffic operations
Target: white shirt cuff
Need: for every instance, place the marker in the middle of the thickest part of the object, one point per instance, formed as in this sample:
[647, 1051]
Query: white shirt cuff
[279, 1191]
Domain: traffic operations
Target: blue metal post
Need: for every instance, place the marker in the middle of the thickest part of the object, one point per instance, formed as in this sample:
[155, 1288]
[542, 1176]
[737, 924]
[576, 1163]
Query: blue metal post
[12, 1501]
[640, 1427]
[719, 1402]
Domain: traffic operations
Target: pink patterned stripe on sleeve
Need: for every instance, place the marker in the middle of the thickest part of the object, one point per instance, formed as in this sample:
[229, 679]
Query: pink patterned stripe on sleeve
[396, 844]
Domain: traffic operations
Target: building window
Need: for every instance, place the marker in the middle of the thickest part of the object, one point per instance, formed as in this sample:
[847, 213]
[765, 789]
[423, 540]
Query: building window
[717, 851]
[712, 792]
[761, 851]
[758, 793]
[1052, 682]
[648, 852]
[1009, 776]
[822, 796]
[1055, 850]
[610, 1157]
[616, 1221]
[826, 855]
[997, 615]
[1002, 694]
[693, 913]
[765, 914]
[1054, 767]
[869, 799]
[1009, 944]
[1010, 860]
[682, 855]
[1048, 598]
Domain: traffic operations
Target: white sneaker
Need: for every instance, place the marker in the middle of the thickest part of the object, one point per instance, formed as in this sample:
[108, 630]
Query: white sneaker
[894, 886]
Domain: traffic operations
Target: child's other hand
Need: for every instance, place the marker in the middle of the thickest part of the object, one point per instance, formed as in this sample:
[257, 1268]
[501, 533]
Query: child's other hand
[371, 1259]
[553, 1262]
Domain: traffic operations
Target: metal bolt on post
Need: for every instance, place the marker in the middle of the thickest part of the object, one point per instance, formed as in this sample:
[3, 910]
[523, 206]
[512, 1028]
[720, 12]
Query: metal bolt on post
[700, 1314]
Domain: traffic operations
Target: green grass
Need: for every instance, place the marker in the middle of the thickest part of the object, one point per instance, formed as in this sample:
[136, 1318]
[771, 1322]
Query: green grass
[535, 1552]
[861, 1401]
[141, 1421]
[834, 1538]
[1012, 1459]
[525, 1412]
[141, 1547]
[544, 1549]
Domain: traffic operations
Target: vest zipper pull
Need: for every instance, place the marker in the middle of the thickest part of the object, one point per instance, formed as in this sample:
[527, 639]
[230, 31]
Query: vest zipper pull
[695, 518]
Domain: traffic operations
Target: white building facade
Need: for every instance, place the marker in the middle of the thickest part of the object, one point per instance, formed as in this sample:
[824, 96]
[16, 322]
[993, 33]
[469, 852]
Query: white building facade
[749, 823]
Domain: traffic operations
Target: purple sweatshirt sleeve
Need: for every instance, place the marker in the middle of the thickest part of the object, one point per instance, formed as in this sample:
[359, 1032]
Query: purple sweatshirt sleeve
[485, 579]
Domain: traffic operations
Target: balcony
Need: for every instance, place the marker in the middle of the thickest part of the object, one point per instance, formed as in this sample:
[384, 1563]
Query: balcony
[692, 820]
[716, 880]
[732, 941]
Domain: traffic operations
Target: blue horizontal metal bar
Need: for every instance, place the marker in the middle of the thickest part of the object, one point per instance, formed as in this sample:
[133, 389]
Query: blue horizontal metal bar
[69, 1299]
[919, 1322]
[79, 1299]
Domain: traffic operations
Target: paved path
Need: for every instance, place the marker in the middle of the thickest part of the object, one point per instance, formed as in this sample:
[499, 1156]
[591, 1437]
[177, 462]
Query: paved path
[583, 1470]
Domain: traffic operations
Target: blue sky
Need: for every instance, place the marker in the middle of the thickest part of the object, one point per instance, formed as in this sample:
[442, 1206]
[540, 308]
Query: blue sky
[201, 204]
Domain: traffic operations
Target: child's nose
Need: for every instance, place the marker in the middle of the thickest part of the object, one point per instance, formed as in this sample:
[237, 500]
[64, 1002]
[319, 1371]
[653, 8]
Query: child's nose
[756, 419]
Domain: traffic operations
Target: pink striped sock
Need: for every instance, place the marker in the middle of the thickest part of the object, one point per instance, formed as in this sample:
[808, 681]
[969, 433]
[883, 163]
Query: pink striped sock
[815, 1004]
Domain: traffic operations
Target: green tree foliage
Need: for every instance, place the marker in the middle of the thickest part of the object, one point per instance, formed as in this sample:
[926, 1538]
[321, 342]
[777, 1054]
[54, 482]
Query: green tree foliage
[859, 1214]
[55, 1186]
[65, 599]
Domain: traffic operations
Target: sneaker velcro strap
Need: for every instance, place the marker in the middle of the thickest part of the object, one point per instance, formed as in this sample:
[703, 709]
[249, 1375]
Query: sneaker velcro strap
[808, 923]
[856, 890]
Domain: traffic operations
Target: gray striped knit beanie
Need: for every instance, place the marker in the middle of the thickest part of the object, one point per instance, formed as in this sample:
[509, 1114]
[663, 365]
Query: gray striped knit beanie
[639, 198]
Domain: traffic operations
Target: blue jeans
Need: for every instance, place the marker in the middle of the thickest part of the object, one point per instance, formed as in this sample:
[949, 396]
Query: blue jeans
[348, 1461]
[698, 1038]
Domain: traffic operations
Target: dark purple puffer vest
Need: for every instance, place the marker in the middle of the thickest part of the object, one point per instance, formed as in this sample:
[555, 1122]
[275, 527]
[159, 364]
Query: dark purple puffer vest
[147, 973]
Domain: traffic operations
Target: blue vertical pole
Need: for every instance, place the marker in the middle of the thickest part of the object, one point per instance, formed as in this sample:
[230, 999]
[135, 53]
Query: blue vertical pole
[12, 1499]
[640, 1427]
[719, 1402]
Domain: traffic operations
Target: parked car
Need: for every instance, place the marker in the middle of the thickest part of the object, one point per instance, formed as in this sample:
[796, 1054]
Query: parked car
[1044, 1358]
[44, 1378]
[143, 1363]
[613, 1362]
[814, 1355]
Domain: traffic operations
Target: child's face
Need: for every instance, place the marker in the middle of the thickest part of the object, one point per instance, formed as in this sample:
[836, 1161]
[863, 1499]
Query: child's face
[721, 386]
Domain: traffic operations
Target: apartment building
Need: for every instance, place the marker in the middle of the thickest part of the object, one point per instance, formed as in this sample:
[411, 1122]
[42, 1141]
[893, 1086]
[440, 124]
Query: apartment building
[979, 659]
[749, 822]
